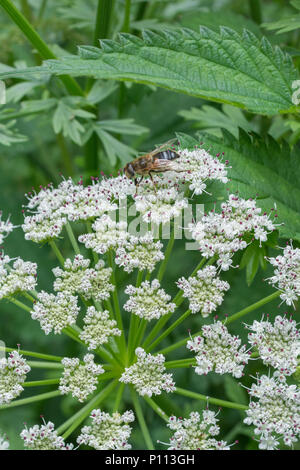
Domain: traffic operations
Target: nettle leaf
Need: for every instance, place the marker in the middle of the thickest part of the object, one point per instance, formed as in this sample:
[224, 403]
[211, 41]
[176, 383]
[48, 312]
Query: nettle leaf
[266, 170]
[220, 66]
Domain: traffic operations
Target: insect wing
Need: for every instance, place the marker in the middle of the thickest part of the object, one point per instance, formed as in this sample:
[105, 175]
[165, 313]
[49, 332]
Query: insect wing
[164, 165]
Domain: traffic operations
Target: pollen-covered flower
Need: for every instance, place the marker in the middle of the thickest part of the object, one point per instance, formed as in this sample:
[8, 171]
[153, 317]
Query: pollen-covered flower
[98, 328]
[107, 235]
[196, 432]
[43, 437]
[287, 274]
[276, 414]
[55, 312]
[139, 252]
[147, 374]
[204, 291]
[148, 301]
[278, 345]
[4, 443]
[107, 432]
[222, 234]
[218, 351]
[13, 370]
[80, 379]
[77, 277]
[21, 277]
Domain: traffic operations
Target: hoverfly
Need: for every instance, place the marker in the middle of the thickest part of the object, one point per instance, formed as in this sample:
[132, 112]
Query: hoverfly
[157, 161]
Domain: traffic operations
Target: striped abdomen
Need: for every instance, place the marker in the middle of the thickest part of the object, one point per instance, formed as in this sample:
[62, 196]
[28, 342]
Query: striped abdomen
[165, 155]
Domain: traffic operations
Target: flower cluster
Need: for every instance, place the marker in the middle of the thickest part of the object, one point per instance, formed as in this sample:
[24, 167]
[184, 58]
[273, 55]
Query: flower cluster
[107, 432]
[139, 252]
[217, 350]
[196, 432]
[21, 277]
[55, 312]
[222, 234]
[148, 301]
[13, 370]
[287, 274]
[278, 345]
[78, 277]
[80, 379]
[204, 291]
[147, 374]
[98, 328]
[44, 437]
[6, 227]
[276, 414]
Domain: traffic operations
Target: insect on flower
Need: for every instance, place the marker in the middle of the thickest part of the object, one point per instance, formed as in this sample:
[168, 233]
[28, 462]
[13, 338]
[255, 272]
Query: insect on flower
[157, 161]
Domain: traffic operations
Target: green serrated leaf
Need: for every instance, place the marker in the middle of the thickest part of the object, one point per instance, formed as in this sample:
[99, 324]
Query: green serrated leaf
[122, 126]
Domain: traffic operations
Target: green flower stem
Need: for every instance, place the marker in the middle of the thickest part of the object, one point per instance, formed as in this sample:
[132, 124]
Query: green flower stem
[72, 238]
[213, 401]
[255, 11]
[107, 304]
[47, 357]
[252, 307]
[119, 395]
[168, 251]
[141, 420]
[38, 43]
[103, 20]
[19, 304]
[180, 363]
[72, 423]
[94, 254]
[126, 23]
[116, 357]
[45, 365]
[156, 408]
[140, 332]
[57, 252]
[26, 401]
[66, 156]
[38, 383]
[73, 334]
[28, 296]
[169, 330]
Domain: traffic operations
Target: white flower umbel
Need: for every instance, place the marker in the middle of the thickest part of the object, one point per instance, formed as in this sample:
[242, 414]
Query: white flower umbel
[222, 233]
[205, 291]
[278, 344]
[55, 312]
[4, 443]
[218, 351]
[98, 328]
[196, 432]
[43, 437]
[107, 235]
[13, 370]
[139, 252]
[20, 278]
[147, 374]
[148, 301]
[80, 379]
[117, 188]
[276, 414]
[77, 277]
[107, 432]
[6, 227]
[287, 274]
[42, 227]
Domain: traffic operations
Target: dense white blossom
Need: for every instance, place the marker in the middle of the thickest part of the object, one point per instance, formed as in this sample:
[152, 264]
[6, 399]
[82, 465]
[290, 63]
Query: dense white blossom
[107, 432]
[219, 351]
[98, 327]
[204, 290]
[42, 227]
[139, 252]
[287, 274]
[276, 413]
[43, 437]
[13, 370]
[117, 188]
[80, 379]
[278, 344]
[196, 432]
[148, 301]
[147, 374]
[55, 312]
[21, 277]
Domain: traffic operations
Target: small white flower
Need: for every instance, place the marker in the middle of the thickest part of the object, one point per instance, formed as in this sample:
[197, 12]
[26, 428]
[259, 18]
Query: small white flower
[139, 252]
[42, 227]
[55, 312]
[20, 278]
[80, 379]
[6, 227]
[4, 443]
[218, 351]
[44, 437]
[148, 301]
[196, 432]
[204, 291]
[13, 370]
[147, 374]
[107, 432]
[278, 345]
[98, 328]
